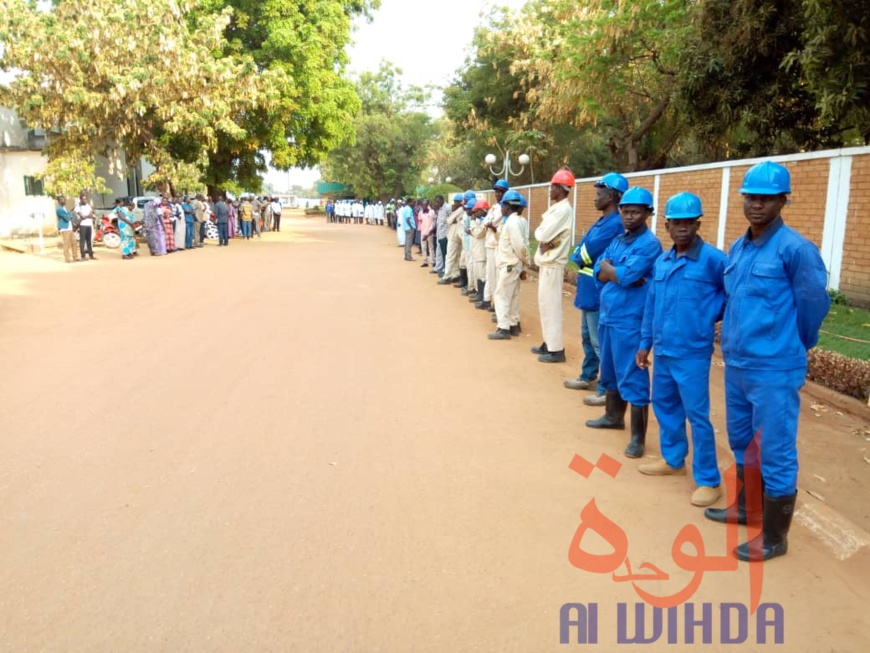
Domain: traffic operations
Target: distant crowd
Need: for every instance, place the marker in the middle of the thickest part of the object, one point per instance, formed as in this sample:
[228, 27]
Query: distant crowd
[168, 224]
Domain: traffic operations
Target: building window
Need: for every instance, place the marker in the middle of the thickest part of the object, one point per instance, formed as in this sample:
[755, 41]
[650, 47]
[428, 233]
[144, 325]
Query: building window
[33, 186]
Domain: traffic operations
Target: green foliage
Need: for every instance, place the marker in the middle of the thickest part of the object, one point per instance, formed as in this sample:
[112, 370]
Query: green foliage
[611, 65]
[735, 91]
[489, 111]
[834, 59]
[846, 330]
[302, 46]
[123, 73]
[447, 191]
[838, 298]
[385, 153]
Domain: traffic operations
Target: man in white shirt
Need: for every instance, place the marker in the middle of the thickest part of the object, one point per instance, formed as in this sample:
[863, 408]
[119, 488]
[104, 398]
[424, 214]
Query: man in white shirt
[85, 213]
[275, 209]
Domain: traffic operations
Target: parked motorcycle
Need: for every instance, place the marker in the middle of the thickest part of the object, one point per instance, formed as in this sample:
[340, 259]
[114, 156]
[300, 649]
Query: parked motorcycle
[107, 233]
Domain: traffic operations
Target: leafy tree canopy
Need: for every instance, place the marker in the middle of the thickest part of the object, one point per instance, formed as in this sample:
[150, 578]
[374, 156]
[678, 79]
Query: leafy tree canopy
[384, 155]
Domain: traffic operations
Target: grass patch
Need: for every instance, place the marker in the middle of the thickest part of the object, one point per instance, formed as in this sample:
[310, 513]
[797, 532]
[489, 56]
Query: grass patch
[850, 322]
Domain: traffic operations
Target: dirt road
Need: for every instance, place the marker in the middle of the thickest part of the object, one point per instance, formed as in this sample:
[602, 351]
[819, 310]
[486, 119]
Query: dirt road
[304, 444]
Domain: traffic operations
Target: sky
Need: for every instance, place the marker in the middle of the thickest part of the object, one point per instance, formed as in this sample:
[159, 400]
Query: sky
[428, 41]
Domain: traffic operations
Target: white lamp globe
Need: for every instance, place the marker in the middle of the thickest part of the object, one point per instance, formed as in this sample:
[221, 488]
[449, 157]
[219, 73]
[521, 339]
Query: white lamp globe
[524, 159]
[490, 159]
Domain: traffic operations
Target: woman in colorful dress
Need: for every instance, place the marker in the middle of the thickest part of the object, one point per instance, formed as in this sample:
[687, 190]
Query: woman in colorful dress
[125, 227]
[165, 213]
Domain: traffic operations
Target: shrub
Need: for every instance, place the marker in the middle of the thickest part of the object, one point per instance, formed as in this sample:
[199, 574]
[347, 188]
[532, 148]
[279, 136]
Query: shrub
[850, 376]
[838, 298]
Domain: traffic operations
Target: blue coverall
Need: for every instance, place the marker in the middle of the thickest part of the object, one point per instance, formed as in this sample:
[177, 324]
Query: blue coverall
[777, 299]
[587, 299]
[683, 304]
[621, 313]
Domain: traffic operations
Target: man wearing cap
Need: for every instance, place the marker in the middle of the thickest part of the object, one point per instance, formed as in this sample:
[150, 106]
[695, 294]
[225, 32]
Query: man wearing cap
[608, 193]
[452, 272]
[513, 252]
[554, 243]
[683, 303]
[492, 222]
[775, 283]
[625, 269]
[477, 254]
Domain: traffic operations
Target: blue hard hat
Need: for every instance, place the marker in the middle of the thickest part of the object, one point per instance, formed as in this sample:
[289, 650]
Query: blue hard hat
[458, 197]
[514, 198]
[501, 184]
[470, 195]
[637, 195]
[683, 206]
[613, 180]
[766, 178]
[469, 205]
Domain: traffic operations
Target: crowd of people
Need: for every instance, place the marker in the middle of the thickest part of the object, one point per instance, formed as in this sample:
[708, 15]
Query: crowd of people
[355, 212]
[170, 224]
[768, 292]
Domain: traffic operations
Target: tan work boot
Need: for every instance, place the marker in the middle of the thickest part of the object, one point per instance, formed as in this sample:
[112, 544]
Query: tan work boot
[660, 467]
[705, 495]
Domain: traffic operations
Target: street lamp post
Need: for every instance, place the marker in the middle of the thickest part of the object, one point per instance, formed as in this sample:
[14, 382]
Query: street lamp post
[507, 170]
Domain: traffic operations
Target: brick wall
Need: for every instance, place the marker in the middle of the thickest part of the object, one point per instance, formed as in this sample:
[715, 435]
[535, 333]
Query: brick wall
[805, 211]
[855, 273]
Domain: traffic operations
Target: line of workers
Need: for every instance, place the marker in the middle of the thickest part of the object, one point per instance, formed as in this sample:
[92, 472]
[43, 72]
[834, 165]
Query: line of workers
[769, 292]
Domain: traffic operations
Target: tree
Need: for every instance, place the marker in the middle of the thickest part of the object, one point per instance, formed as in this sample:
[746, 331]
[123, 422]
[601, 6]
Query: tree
[81, 73]
[734, 89]
[489, 107]
[834, 58]
[385, 153]
[311, 102]
[607, 64]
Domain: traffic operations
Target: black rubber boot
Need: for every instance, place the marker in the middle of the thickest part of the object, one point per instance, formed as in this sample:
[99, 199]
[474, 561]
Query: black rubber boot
[463, 279]
[737, 512]
[614, 413]
[776, 522]
[541, 349]
[639, 418]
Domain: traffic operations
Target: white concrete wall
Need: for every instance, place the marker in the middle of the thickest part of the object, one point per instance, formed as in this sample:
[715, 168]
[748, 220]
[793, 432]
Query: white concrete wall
[16, 208]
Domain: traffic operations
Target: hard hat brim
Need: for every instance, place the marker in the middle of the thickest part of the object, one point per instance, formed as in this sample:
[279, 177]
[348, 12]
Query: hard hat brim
[762, 191]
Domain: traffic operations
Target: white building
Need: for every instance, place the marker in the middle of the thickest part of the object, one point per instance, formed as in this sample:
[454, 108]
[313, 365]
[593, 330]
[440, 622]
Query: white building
[22, 199]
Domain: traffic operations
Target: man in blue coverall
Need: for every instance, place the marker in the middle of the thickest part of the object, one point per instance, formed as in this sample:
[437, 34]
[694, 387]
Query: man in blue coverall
[625, 269]
[775, 283]
[608, 192]
[684, 301]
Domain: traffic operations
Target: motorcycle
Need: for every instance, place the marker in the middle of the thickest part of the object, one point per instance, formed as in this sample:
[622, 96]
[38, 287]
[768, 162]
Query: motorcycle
[107, 233]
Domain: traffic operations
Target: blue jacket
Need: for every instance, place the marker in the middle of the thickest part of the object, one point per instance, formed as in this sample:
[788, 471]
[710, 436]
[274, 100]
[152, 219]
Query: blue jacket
[63, 217]
[777, 299]
[633, 255]
[684, 301]
[189, 214]
[596, 240]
